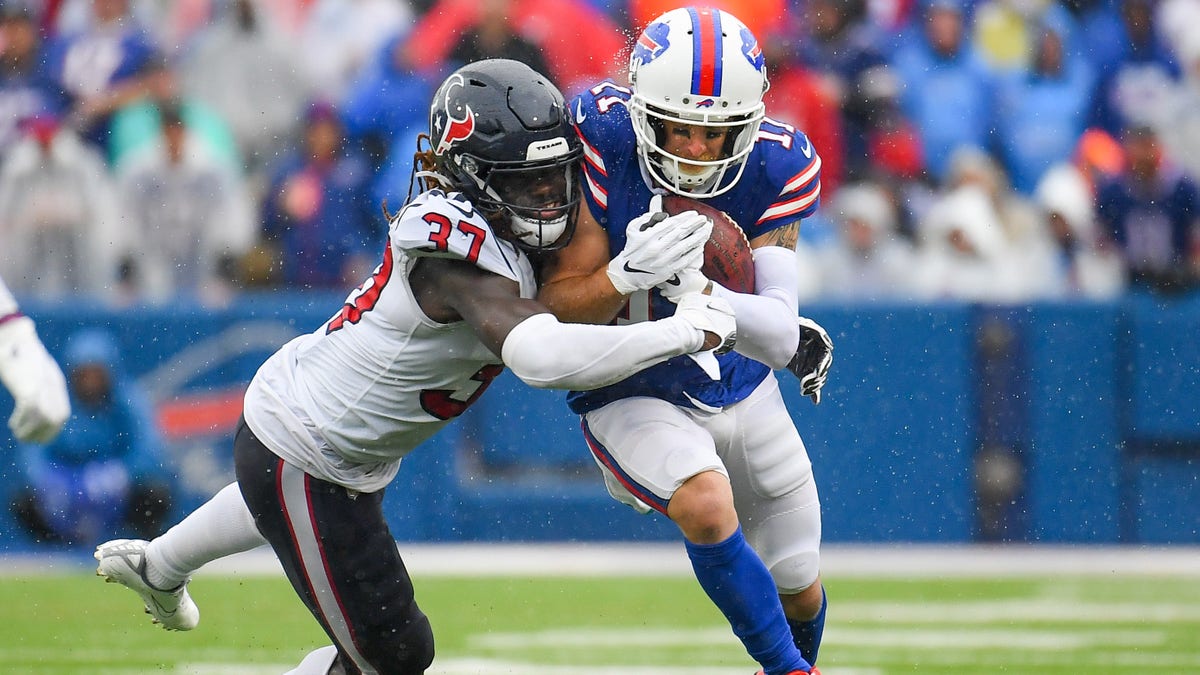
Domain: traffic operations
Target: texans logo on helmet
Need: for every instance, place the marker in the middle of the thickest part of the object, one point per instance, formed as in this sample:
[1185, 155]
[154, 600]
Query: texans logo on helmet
[751, 50]
[456, 129]
[652, 43]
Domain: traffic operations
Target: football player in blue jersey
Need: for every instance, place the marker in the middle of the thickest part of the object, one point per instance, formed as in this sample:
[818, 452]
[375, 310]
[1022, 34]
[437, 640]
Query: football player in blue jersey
[329, 417]
[719, 456]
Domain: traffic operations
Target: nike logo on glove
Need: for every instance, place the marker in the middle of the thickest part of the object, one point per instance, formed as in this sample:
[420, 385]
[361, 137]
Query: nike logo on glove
[630, 268]
[674, 280]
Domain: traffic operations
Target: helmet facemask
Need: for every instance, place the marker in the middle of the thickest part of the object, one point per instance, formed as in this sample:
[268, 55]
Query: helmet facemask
[537, 200]
[686, 176]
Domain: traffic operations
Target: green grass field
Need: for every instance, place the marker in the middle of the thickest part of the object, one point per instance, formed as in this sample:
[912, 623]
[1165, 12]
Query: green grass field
[1068, 625]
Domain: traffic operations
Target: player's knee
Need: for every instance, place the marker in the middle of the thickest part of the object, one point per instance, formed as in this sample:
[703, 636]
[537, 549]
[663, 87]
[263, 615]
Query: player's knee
[404, 650]
[703, 508]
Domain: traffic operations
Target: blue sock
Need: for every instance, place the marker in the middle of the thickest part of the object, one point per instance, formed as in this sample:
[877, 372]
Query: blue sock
[807, 634]
[738, 583]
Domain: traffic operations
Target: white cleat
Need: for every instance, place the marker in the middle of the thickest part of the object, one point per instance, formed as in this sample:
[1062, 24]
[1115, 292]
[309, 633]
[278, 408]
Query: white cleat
[123, 561]
[318, 662]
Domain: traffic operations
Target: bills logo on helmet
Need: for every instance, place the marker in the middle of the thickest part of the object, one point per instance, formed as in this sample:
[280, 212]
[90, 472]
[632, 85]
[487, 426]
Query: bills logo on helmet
[456, 129]
[751, 50]
[706, 103]
[651, 44]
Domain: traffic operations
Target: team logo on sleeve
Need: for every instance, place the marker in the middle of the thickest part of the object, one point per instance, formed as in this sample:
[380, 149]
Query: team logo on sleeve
[651, 44]
[751, 50]
[457, 129]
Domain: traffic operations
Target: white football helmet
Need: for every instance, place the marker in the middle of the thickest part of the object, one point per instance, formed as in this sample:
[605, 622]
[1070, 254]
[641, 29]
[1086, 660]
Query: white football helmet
[696, 66]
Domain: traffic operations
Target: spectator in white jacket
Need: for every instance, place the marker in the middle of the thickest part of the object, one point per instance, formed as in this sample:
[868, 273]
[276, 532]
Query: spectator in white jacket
[964, 253]
[190, 221]
[866, 259]
[59, 221]
[1086, 265]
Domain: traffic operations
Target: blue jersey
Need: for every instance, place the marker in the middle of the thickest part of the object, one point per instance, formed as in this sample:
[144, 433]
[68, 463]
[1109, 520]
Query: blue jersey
[781, 183]
[91, 62]
[25, 95]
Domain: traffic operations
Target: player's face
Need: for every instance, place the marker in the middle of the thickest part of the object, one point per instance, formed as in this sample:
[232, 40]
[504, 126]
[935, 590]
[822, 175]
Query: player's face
[692, 141]
[545, 191]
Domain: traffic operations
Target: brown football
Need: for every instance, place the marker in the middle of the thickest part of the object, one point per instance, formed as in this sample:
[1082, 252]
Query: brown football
[727, 257]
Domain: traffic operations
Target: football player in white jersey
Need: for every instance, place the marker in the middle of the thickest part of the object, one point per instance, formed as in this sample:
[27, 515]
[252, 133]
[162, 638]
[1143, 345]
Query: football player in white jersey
[721, 458]
[329, 417]
[39, 390]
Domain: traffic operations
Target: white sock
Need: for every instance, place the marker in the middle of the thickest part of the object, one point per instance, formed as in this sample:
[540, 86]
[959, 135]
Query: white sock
[221, 526]
[317, 662]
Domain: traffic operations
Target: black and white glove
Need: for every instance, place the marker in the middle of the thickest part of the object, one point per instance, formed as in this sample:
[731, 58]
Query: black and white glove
[658, 247]
[711, 315]
[35, 381]
[814, 356]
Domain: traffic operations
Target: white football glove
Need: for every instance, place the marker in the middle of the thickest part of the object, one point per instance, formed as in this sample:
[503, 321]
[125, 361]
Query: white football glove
[35, 381]
[712, 315]
[657, 247]
[690, 280]
[814, 356]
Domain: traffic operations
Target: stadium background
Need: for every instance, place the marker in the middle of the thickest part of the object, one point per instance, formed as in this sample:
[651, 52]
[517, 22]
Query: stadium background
[950, 423]
[944, 422]
[1070, 426]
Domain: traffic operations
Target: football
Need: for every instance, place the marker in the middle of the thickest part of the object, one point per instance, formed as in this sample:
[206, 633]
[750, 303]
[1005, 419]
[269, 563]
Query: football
[727, 257]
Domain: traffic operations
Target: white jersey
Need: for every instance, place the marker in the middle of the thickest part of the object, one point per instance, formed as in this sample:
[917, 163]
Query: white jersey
[348, 401]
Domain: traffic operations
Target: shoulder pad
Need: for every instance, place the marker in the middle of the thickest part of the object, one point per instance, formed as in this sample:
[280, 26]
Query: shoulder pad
[446, 225]
[601, 119]
[600, 113]
[793, 170]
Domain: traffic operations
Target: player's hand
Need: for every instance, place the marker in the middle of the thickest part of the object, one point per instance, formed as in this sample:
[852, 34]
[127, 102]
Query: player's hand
[35, 381]
[657, 247]
[814, 356]
[690, 280]
[712, 315]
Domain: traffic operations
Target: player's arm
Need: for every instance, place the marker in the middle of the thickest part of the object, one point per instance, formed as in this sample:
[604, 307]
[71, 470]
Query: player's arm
[581, 284]
[32, 377]
[767, 321]
[547, 353]
[575, 283]
[767, 328]
[813, 357]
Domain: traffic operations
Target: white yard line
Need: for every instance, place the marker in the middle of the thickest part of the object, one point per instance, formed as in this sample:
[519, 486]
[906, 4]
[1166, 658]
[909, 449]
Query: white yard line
[1023, 610]
[904, 637]
[668, 559]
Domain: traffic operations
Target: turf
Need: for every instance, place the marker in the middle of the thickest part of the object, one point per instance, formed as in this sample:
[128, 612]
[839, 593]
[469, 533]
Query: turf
[254, 625]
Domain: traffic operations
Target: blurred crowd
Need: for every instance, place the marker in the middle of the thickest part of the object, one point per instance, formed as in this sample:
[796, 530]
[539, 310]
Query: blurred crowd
[156, 151]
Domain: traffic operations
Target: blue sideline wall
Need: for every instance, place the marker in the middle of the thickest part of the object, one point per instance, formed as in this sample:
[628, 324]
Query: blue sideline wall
[1098, 406]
